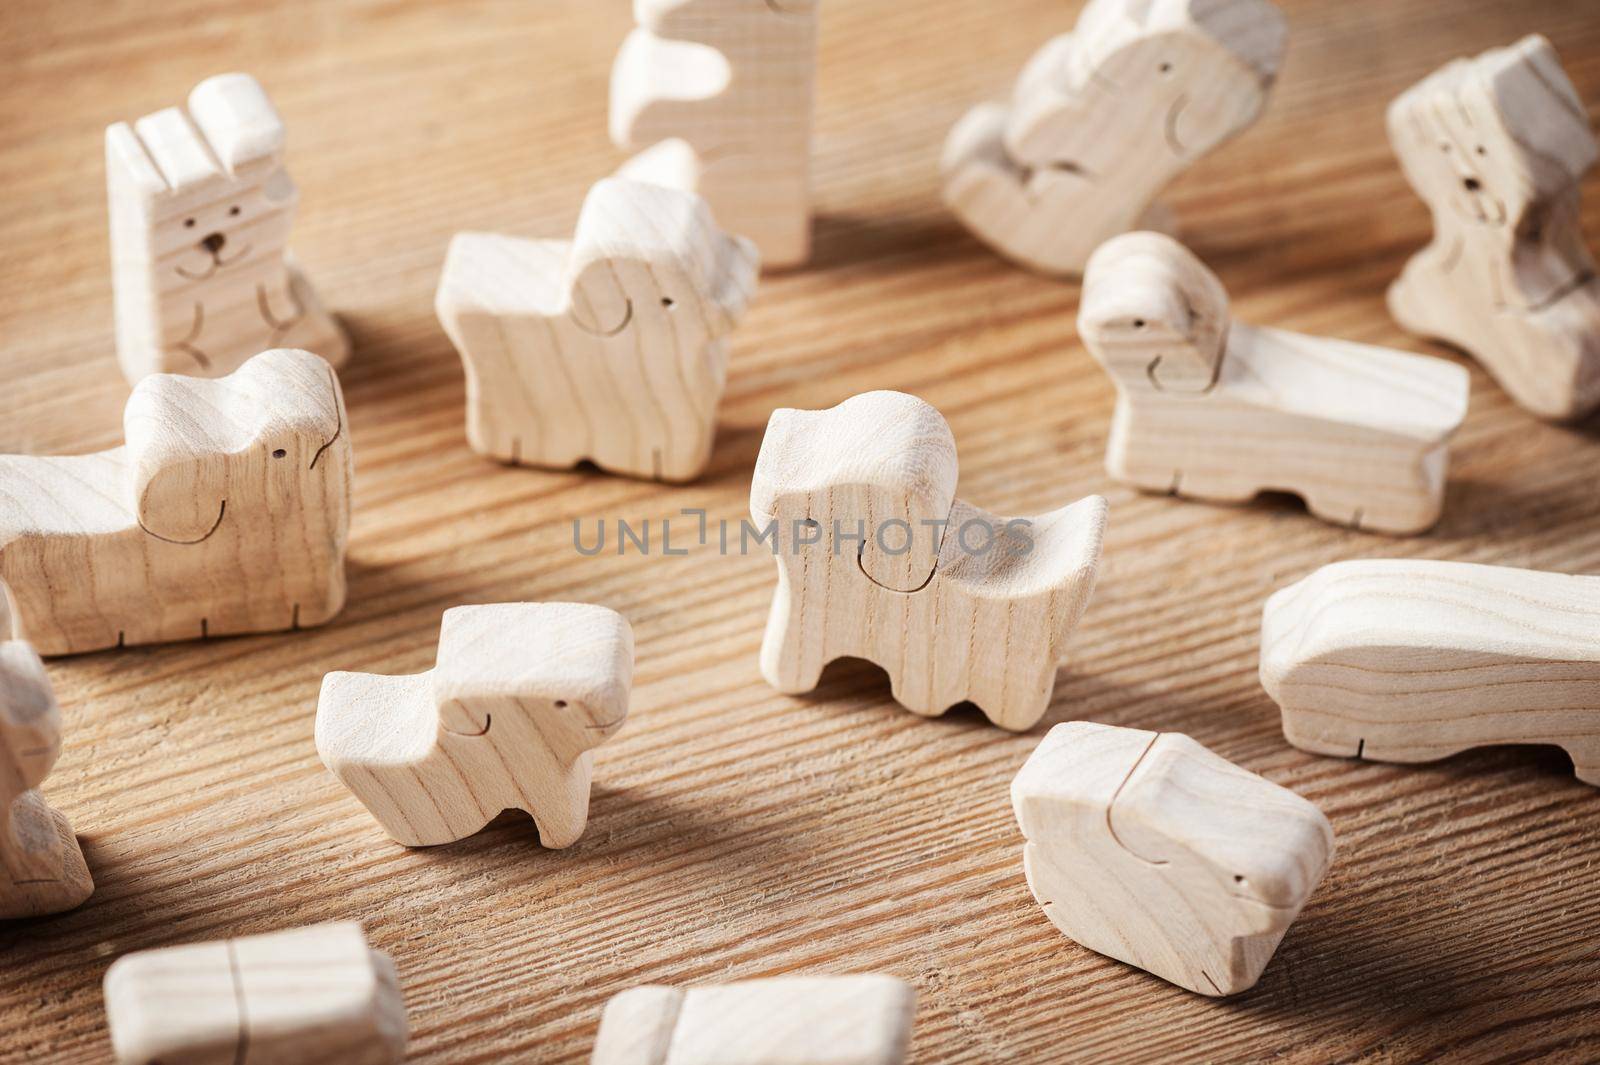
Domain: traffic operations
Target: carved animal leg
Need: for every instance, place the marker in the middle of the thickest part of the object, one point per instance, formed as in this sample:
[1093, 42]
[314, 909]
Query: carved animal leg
[561, 808]
[189, 345]
[785, 661]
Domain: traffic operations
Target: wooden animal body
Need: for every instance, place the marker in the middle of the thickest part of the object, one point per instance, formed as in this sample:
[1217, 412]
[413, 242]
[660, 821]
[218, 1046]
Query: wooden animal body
[226, 512]
[508, 719]
[1413, 660]
[1104, 118]
[610, 347]
[1219, 410]
[1497, 147]
[720, 94]
[201, 207]
[1148, 848]
[878, 559]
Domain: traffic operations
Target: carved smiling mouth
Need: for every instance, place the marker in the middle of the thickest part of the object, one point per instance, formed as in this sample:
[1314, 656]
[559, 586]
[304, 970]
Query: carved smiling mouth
[217, 263]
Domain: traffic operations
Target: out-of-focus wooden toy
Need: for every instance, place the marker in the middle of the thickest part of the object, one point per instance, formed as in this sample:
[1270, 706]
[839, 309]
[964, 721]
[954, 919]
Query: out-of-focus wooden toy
[201, 207]
[1218, 410]
[226, 512]
[878, 559]
[792, 1020]
[508, 719]
[1150, 849]
[1103, 118]
[1413, 660]
[1497, 147]
[316, 994]
[719, 94]
[610, 347]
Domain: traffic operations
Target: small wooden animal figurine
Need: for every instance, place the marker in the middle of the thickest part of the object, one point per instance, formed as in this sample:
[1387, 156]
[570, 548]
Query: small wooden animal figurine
[508, 719]
[792, 1020]
[201, 207]
[316, 994]
[720, 92]
[227, 512]
[878, 559]
[1218, 410]
[1148, 848]
[1497, 147]
[1104, 118]
[609, 347]
[1413, 660]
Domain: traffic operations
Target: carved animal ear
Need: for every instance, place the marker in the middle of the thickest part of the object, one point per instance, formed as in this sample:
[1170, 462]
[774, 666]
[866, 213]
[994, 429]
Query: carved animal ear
[601, 302]
[1540, 111]
[234, 114]
[177, 440]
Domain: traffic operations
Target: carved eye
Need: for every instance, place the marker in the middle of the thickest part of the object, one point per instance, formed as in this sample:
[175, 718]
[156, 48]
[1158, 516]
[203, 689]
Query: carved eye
[279, 453]
[234, 210]
[560, 704]
[1166, 68]
[188, 223]
[1482, 150]
[666, 301]
[1138, 323]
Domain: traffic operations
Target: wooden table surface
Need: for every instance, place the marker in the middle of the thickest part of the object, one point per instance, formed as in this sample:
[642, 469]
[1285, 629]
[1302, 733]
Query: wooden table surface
[736, 832]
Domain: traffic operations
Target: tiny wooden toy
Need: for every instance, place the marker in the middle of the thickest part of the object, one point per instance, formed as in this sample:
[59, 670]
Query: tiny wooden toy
[1497, 147]
[1219, 410]
[791, 1020]
[878, 559]
[227, 512]
[719, 94]
[1413, 660]
[1148, 848]
[610, 347]
[201, 207]
[316, 994]
[508, 719]
[1104, 118]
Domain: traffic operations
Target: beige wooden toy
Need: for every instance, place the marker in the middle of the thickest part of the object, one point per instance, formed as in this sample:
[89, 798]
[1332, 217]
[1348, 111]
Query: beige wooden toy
[878, 559]
[1102, 119]
[1150, 849]
[299, 997]
[792, 1020]
[1218, 410]
[508, 719]
[610, 347]
[1497, 147]
[201, 207]
[1413, 660]
[227, 512]
[719, 94]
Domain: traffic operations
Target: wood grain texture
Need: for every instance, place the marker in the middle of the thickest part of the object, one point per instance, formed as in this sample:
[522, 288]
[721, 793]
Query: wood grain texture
[736, 833]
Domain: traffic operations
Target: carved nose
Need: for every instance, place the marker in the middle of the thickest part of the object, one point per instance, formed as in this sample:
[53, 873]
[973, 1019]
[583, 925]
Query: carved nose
[214, 243]
[1472, 184]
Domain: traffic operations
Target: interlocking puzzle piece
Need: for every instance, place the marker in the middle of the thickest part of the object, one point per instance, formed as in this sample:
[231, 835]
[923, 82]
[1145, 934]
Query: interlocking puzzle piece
[1219, 410]
[508, 719]
[1104, 118]
[1497, 147]
[719, 93]
[1148, 848]
[227, 512]
[955, 604]
[610, 347]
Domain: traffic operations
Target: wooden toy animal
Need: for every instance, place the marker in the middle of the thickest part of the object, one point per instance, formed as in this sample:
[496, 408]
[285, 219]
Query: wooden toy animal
[719, 93]
[1218, 410]
[316, 994]
[791, 1020]
[201, 207]
[227, 512]
[508, 719]
[1413, 660]
[1148, 848]
[610, 347]
[878, 559]
[1497, 147]
[1104, 118]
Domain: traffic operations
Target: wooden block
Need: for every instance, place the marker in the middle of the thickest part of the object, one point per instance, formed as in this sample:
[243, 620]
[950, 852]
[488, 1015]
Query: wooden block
[956, 604]
[1150, 849]
[1497, 147]
[508, 719]
[610, 347]
[1413, 660]
[227, 512]
[201, 207]
[1218, 410]
[1104, 118]
[793, 1020]
[316, 994]
[719, 93]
